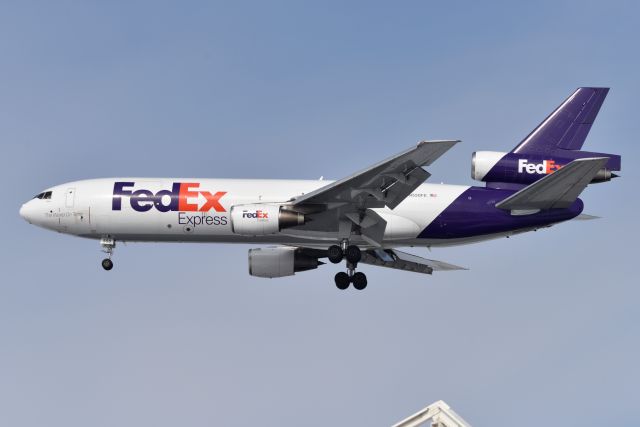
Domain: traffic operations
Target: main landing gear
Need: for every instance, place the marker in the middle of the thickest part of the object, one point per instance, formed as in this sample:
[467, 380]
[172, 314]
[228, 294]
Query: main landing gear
[108, 245]
[353, 255]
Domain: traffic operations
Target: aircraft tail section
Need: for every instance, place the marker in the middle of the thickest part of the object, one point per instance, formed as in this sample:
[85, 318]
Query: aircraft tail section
[554, 143]
[555, 191]
[568, 125]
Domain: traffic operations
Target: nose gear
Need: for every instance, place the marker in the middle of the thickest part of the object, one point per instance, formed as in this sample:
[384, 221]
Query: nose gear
[108, 244]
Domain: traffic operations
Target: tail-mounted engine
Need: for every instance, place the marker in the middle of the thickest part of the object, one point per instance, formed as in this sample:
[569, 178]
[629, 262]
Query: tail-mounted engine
[261, 219]
[520, 168]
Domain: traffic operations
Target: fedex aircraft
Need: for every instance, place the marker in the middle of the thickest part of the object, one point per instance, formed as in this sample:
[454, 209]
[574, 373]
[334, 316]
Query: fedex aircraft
[360, 219]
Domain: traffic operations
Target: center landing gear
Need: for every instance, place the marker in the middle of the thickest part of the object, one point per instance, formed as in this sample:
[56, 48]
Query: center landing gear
[353, 255]
[108, 245]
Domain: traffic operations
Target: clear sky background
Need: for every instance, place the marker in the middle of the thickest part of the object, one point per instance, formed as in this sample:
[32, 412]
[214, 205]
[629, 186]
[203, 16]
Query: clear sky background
[543, 328]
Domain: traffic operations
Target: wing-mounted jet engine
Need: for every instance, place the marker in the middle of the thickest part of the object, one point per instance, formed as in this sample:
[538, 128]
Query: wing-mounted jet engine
[261, 219]
[556, 142]
[280, 262]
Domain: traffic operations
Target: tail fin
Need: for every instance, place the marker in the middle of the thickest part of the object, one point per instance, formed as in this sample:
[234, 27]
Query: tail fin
[555, 191]
[569, 124]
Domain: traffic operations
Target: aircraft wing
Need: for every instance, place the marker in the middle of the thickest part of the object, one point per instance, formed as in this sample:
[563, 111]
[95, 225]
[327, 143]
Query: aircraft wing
[384, 184]
[398, 260]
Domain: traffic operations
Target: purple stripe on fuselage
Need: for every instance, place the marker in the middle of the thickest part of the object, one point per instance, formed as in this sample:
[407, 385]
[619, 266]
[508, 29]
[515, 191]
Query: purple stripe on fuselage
[474, 213]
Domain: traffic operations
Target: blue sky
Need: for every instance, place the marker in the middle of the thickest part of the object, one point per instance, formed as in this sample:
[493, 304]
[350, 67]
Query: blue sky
[543, 325]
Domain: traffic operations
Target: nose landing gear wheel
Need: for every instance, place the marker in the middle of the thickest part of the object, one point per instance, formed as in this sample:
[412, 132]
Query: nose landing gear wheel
[342, 280]
[107, 264]
[108, 244]
[359, 280]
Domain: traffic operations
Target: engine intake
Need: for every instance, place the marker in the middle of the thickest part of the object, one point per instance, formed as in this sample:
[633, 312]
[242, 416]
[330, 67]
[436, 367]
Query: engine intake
[482, 162]
[279, 262]
[261, 219]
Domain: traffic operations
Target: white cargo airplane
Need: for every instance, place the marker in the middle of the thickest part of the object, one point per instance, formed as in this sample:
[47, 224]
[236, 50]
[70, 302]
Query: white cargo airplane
[362, 218]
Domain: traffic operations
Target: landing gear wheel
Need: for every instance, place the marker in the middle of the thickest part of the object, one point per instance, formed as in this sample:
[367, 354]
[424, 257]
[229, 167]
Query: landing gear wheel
[342, 280]
[107, 264]
[335, 254]
[353, 254]
[359, 281]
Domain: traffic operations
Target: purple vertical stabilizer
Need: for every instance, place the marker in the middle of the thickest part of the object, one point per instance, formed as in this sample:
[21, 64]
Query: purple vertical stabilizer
[569, 124]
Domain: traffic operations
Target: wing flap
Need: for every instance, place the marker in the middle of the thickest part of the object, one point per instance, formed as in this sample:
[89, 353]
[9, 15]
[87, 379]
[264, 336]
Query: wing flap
[398, 260]
[557, 190]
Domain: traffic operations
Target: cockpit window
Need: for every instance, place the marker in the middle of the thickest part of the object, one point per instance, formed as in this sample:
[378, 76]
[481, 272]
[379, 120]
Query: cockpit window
[46, 195]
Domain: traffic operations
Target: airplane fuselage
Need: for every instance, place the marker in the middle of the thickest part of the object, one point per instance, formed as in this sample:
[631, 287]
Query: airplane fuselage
[198, 210]
[361, 219]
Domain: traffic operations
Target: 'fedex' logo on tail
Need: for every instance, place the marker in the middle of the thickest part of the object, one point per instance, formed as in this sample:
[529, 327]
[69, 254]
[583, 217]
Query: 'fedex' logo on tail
[183, 197]
[544, 168]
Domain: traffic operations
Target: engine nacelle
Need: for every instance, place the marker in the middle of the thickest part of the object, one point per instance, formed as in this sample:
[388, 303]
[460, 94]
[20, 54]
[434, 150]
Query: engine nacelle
[279, 262]
[526, 168]
[483, 161]
[261, 219]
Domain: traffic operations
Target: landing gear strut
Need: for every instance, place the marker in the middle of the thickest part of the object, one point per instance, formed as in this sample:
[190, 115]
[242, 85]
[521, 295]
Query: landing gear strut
[108, 245]
[353, 255]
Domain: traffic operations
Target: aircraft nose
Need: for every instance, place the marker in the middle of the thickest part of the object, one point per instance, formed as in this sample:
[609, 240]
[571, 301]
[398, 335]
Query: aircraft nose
[25, 212]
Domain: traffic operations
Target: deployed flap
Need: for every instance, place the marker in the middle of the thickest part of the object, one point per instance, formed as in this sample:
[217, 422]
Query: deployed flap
[371, 225]
[384, 184]
[557, 190]
[398, 260]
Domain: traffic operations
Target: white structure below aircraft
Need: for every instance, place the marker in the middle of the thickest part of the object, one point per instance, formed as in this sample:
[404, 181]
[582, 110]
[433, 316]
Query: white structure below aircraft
[438, 413]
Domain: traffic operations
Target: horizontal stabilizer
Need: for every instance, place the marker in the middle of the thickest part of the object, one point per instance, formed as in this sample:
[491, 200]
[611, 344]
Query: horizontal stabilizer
[557, 190]
[586, 217]
[398, 260]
